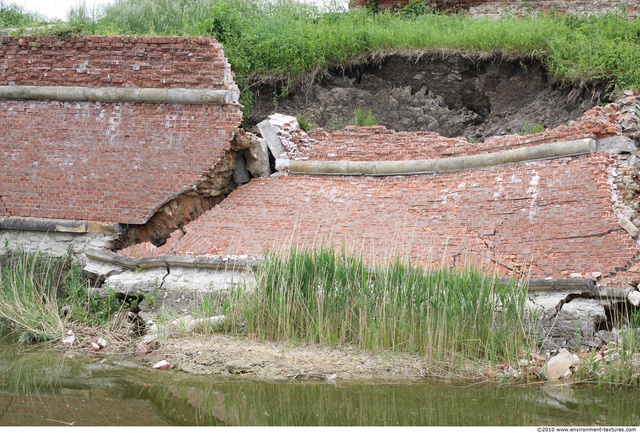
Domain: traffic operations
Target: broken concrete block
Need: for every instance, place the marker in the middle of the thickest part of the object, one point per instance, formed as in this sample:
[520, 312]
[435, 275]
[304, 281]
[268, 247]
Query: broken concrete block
[634, 298]
[270, 134]
[213, 323]
[282, 165]
[257, 158]
[557, 366]
[240, 173]
[181, 324]
[629, 227]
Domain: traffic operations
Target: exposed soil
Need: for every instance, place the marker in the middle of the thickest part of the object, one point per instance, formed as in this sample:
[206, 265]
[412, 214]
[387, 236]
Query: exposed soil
[226, 355]
[451, 94]
[229, 355]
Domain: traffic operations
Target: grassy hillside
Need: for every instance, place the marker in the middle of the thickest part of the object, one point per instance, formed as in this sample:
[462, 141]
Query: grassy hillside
[289, 41]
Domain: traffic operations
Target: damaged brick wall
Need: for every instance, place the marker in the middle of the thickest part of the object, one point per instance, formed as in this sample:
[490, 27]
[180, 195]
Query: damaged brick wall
[555, 218]
[543, 219]
[522, 7]
[115, 162]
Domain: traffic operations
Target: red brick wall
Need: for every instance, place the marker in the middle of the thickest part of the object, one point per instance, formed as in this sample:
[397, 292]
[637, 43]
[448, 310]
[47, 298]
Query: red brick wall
[440, 4]
[377, 143]
[112, 162]
[98, 61]
[546, 219]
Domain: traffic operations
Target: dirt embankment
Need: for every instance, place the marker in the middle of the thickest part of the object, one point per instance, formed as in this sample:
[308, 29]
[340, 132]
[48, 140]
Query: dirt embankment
[453, 95]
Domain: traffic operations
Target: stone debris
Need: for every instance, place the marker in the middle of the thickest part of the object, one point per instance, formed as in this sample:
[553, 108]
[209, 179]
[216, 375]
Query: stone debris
[634, 298]
[161, 365]
[557, 366]
[296, 141]
[144, 348]
[70, 338]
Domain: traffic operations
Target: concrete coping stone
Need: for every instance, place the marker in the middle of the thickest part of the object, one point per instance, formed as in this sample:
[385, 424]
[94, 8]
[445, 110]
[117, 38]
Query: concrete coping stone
[110, 257]
[443, 165]
[171, 261]
[43, 225]
[217, 263]
[121, 94]
[556, 284]
[55, 225]
[197, 262]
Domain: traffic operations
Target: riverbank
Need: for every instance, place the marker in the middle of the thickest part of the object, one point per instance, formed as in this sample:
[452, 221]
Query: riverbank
[238, 356]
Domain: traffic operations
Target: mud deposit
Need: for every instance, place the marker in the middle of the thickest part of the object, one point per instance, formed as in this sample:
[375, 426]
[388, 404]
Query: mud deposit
[451, 94]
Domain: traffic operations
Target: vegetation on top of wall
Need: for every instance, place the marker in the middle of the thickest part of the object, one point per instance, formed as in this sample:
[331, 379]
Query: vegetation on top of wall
[288, 41]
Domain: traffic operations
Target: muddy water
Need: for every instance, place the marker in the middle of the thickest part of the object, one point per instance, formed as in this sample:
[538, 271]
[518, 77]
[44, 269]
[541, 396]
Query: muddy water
[44, 388]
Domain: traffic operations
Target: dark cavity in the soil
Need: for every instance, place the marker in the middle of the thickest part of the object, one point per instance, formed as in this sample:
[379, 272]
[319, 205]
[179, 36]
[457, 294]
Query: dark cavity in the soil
[452, 95]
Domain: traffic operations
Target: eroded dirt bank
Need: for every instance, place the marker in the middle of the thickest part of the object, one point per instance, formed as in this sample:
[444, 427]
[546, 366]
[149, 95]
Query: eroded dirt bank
[451, 94]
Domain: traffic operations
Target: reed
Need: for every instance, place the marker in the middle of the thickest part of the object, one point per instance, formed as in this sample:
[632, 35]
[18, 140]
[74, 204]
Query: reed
[41, 297]
[320, 296]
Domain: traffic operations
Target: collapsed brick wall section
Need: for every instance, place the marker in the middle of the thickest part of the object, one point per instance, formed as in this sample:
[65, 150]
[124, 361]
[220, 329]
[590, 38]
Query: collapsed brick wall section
[515, 7]
[541, 219]
[551, 218]
[107, 161]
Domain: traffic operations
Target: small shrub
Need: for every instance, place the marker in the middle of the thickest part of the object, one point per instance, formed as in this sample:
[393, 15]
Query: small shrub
[364, 119]
[305, 125]
[532, 128]
[415, 8]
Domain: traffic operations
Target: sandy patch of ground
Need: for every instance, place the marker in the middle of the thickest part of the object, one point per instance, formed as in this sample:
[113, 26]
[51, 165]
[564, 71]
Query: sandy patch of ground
[226, 355]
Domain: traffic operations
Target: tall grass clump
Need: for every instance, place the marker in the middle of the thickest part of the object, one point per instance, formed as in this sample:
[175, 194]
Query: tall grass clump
[15, 16]
[28, 297]
[323, 297]
[41, 297]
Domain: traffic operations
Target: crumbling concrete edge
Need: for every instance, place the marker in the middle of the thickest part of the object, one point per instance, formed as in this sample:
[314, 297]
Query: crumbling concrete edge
[59, 226]
[211, 263]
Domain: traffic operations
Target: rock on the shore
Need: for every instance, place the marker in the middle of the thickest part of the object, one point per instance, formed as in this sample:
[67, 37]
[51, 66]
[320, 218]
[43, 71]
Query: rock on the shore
[557, 366]
[161, 365]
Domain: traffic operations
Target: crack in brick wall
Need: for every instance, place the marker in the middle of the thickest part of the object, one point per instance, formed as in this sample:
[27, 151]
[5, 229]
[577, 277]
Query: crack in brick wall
[552, 218]
[4, 210]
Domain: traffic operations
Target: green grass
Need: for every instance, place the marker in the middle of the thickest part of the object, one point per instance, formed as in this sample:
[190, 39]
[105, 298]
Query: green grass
[15, 16]
[291, 42]
[319, 296]
[41, 297]
[364, 119]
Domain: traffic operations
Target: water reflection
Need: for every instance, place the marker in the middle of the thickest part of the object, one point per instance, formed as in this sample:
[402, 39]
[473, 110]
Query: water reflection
[47, 388]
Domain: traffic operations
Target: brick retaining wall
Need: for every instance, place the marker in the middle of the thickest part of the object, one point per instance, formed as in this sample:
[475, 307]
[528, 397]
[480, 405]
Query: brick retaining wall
[546, 219]
[109, 161]
[552, 218]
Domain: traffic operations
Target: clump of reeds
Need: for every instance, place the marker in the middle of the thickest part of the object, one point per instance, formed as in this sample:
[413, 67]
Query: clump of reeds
[332, 298]
[42, 296]
[28, 296]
